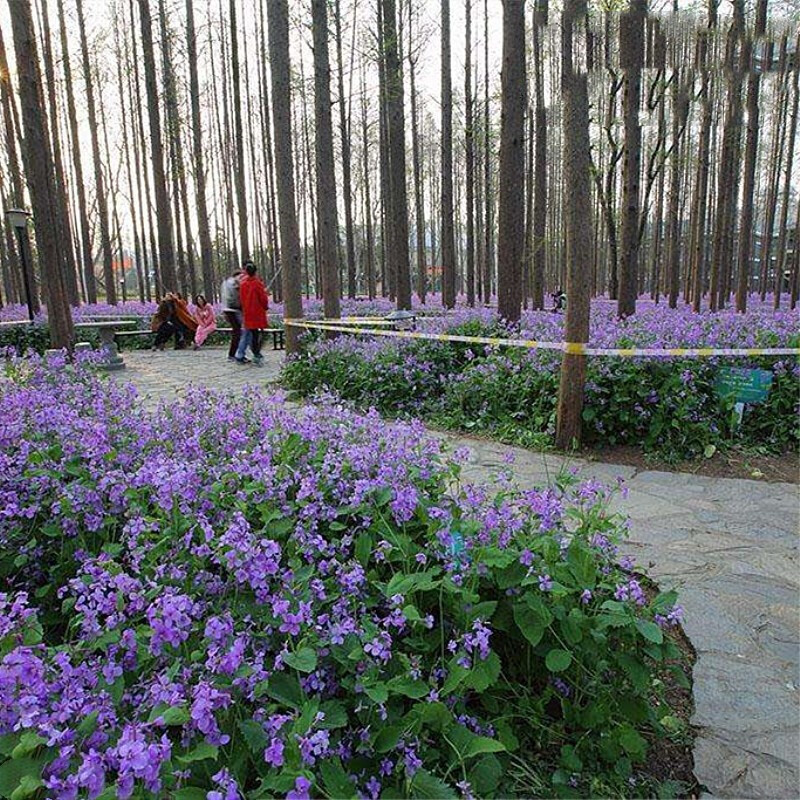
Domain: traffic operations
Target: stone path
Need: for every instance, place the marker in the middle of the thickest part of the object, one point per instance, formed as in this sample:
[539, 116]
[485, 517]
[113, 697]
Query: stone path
[730, 546]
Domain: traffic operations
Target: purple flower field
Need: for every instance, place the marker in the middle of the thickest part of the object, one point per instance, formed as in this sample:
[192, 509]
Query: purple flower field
[226, 599]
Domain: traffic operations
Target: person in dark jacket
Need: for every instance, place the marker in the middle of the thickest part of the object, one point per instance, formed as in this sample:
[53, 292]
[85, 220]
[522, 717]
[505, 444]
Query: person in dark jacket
[232, 309]
[255, 302]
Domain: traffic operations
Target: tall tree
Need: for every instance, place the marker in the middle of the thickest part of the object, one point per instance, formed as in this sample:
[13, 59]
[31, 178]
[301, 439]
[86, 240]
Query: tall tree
[241, 195]
[578, 222]
[395, 128]
[469, 155]
[344, 135]
[631, 51]
[729, 167]
[65, 235]
[447, 235]
[38, 160]
[327, 254]
[166, 252]
[750, 157]
[416, 157]
[278, 16]
[511, 180]
[680, 112]
[538, 230]
[488, 194]
[206, 254]
[100, 189]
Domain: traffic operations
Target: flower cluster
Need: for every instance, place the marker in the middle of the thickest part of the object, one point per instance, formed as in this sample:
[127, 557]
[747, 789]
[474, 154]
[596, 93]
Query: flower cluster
[226, 596]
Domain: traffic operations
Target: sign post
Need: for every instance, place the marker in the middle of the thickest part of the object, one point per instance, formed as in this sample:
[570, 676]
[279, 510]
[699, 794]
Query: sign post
[744, 386]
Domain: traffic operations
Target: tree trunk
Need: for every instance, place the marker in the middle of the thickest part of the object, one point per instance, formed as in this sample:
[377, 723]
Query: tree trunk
[680, 111]
[540, 165]
[511, 180]
[728, 173]
[447, 237]
[65, 234]
[100, 192]
[783, 230]
[578, 223]
[469, 154]
[241, 196]
[487, 166]
[206, 252]
[278, 16]
[750, 157]
[38, 162]
[416, 157]
[631, 43]
[17, 194]
[166, 252]
[344, 133]
[395, 129]
[326, 176]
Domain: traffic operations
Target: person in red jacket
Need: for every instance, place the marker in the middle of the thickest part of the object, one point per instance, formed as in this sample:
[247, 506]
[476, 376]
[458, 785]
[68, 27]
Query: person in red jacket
[255, 302]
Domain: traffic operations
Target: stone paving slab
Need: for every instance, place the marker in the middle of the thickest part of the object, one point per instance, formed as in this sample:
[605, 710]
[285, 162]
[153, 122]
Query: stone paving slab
[730, 546]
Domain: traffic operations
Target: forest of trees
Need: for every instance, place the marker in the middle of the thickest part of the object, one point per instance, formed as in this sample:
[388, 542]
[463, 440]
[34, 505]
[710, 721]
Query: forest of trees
[380, 147]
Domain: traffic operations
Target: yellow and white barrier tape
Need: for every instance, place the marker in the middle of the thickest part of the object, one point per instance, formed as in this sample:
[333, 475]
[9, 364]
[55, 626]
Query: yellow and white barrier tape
[573, 348]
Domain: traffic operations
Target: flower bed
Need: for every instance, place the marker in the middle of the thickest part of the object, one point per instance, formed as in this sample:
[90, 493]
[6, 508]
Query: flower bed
[668, 406]
[224, 599]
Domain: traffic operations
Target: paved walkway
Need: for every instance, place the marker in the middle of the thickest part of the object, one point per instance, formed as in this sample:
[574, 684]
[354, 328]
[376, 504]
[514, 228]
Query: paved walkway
[730, 546]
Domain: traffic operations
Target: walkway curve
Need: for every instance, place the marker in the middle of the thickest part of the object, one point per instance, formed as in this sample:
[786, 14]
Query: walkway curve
[729, 545]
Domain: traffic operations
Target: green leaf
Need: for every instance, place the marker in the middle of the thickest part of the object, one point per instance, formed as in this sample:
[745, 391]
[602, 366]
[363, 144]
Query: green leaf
[335, 715]
[426, 785]
[363, 548]
[28, 742]
[650, 631]
[284, 688]
[201, 752]
[388, 738]
[13, 771]
[8, 742]
[303, 660]
[189, 793]
[377, 692]
[255, 736]
[484, 674]
[636, 671]
[175, 715]
[572, 626]
[529, 623]
[28, 786]
[483, 744]
[632, 742]
[335, 780]
[408, 687]
[558, 660]
[485, 776]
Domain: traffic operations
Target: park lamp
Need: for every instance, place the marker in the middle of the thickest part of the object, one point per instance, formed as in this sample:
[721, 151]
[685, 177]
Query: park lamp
[402, 320]
[18, 218]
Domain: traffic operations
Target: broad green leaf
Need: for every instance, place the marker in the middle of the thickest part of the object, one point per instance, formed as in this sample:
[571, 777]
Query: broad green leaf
[28, 742]
[201, 752]
[484, 674]
[377, 692]
[388, 738]
[13, 771]
[408, 687]
[650, 631]
[335, 780]
[335, 715]
[28, 787]
[253, 733]
[483, 744]
[529, 623]
[189, 793]
[284, 688]
[632, 742]
[485, 775]
[558, 660]
[363, 548]
[175, 715]
[425, 785]
[303, 660]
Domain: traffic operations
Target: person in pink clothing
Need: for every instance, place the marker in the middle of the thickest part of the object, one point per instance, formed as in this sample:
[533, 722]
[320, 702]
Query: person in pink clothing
[206, 320]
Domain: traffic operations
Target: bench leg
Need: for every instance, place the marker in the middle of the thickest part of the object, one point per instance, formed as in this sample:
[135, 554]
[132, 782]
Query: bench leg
[109, 346]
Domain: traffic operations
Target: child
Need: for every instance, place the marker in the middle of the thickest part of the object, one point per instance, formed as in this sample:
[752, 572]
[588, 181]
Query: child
[206, 320]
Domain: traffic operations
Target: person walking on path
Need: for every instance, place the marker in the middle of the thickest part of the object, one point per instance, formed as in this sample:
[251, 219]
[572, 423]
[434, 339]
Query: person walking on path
[232, 309]
[206, 320]
[255, 302]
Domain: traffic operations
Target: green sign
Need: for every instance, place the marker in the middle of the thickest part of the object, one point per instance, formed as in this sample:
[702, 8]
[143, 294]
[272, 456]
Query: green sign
[744, 385]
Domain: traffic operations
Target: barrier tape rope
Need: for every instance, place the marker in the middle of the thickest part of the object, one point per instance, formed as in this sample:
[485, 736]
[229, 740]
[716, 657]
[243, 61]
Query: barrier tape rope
[573, 348]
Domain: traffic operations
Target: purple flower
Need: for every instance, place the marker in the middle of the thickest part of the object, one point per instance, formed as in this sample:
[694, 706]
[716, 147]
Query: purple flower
[273, 755]
[545, 583]
[300, 791]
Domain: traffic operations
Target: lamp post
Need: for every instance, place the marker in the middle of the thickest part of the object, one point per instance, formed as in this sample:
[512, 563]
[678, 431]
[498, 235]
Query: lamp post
[124, 289]
[18, 219]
